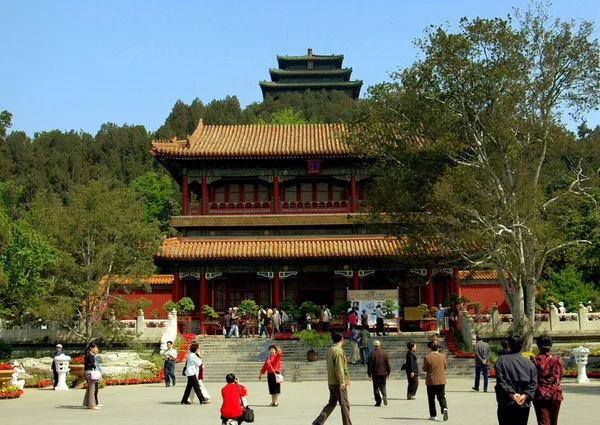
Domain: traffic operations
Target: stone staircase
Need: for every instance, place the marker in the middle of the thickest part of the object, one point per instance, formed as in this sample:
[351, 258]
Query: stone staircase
[244, 357]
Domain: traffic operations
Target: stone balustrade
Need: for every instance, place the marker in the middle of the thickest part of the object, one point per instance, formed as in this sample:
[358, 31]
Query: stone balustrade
[146, 330]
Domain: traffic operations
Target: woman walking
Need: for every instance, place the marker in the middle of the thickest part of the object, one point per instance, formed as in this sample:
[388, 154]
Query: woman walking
[90, 400]
[272, 366]
[203, 389]
[192, 369]
[412, 371]
[548, 395]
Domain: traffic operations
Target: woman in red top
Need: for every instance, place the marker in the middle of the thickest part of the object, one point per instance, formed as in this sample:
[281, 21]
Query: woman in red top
[271, 366]
[232, 405]
[548, 395]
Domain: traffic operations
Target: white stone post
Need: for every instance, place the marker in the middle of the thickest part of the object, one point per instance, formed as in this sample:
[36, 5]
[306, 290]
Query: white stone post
[553, 317]
[495, 320]
[140, 323]
[581, 359]
[61, 363]
[582, 316]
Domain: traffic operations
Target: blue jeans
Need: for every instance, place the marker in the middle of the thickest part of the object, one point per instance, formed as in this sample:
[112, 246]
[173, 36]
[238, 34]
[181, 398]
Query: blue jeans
[169, 373]
[478, 370]
[364, 355]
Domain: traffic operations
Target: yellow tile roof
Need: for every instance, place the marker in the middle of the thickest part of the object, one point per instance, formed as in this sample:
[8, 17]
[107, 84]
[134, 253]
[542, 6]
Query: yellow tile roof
[479, 275]
[220, 141]
[284, 248]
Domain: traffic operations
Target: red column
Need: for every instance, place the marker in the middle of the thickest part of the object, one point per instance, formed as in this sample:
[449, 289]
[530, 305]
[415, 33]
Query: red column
[276, 290]
[455, 282]
[184, 195]
[353, 194]
[176, 289]
[276, 197]
[429, 293]
[204, 196]
[355, 284]
[202, 293]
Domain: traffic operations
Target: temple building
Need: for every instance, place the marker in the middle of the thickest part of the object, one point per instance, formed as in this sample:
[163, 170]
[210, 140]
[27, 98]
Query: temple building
[296, 74]
[272, 211]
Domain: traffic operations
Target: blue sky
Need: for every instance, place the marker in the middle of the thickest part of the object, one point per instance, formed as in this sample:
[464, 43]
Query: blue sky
[78, 64]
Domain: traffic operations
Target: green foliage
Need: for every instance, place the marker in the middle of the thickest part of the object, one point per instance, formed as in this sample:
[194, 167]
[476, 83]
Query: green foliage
[313, 339]
[155, 314]
[160, 195]
[340, 308]
[141, 303]
[249, 307]
[5, 351]
[309, 307]
[475, 307]
[169, 306]
[209, 312]
[184, 305]
[5, 122]
[389, 306]
[567, 286]
[289, 306]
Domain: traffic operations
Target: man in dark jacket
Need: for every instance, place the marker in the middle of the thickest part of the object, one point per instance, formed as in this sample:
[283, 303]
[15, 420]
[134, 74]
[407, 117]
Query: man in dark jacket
[482, 358]
[379, 370]
[516, 381]
[412, 371]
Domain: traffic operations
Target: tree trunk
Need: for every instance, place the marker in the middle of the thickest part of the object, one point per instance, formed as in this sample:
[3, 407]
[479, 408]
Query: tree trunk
[528, 332]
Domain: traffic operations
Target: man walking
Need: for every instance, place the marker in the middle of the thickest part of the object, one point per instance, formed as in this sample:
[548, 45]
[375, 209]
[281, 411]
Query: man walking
[227, 322]
[440, 318]
[516, 381]
[379, 370]
[363, 345]
[482, 359]
[435, 365]
[337, 380]
[276, 320]
[169, 355]
[379, 319]
[234, 331]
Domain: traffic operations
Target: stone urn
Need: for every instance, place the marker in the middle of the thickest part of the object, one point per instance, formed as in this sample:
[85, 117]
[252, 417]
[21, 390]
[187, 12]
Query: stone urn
[6, 375]
[312, 356]
[77, 370]
[61, 364]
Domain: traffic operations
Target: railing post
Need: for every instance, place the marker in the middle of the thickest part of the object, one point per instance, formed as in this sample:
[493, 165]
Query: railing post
[140, 323]
[553, 317]
[582, 316]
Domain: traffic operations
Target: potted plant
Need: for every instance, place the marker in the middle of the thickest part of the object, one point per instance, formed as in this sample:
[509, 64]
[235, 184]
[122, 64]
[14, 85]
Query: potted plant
[388, 307]
[6, 371]
[184, 305]
[248, 307]
[169, 306]
[475, 307]
[340, 309]
[209, 312]
[313, 339]
[289, 306]
[308, 307]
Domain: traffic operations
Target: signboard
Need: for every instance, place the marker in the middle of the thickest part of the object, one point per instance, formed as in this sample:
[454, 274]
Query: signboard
[413, 313]
[368, 299]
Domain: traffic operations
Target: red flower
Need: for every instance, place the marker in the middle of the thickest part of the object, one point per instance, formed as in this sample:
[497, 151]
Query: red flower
[6, 366]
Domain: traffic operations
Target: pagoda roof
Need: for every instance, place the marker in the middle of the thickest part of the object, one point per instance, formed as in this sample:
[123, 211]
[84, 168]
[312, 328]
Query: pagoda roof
[276, 73]
[258, 141]
[274, 87]
[293, 247]
[310, 57]
[479, 275]
[265, 220]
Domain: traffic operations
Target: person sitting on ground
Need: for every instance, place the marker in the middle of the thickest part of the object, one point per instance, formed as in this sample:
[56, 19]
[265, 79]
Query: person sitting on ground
[231, 409]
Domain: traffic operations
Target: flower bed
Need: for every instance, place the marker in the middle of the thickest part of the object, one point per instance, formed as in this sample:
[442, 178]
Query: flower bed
[285, 336]
[39, 384]
[6, 366]
[10, 391]
[185, 346]
[77, 360]
[453, 348]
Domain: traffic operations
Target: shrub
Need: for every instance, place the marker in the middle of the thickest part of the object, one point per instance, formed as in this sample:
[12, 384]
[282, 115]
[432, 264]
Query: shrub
[5, 350]
[169, 306]
[185, 305]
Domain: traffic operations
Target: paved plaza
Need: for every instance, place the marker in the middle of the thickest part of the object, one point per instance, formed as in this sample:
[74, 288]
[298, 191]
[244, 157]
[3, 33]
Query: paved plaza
[300, 404]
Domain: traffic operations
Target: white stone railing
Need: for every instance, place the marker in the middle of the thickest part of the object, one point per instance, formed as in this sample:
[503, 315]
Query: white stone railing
[152, 330]
[496, 324]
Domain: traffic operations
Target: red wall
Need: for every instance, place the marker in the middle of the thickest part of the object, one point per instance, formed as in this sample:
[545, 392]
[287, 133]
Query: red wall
[158, 298]
[486, 294]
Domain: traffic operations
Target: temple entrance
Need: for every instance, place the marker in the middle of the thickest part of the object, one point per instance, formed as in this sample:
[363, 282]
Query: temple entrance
[317, 296]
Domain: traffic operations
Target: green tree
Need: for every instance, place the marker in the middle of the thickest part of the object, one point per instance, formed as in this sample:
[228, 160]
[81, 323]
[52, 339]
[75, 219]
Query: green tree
[567, 286]
[5, 122]
[161, 198]
[489, 99]
[103, 243]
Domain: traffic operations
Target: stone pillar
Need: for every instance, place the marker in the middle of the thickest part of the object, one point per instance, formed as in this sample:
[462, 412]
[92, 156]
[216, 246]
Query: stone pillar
[184, 195]
[581, 358]
[353, 193]
[466, 326]
[553, 317]
[495, 320]
[582, 316]
[204, 201]
[61, 363]
[276, 290]
[275, 194]
[140, 323]
[429, 289]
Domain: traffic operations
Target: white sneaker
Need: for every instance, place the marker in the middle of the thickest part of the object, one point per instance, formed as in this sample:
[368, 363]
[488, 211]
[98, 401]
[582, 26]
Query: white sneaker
[445, 414]
[433, 418]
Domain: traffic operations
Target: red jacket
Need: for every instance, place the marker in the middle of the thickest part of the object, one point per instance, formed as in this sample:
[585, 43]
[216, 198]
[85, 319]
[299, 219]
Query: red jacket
[275, 363]
[232, 406]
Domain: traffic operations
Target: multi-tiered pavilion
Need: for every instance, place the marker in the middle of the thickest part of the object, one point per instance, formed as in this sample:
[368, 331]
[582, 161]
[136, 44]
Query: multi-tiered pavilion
[272, 211]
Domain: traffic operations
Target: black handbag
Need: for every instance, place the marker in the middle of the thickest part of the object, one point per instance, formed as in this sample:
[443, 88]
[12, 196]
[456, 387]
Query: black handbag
[247, 412]
[184, 368]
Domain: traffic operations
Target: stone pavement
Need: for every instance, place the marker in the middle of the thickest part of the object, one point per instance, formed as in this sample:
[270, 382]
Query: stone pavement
[300, 404]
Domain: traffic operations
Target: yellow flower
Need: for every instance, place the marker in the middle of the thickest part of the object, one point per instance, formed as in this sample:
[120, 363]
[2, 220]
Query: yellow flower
[528, 354]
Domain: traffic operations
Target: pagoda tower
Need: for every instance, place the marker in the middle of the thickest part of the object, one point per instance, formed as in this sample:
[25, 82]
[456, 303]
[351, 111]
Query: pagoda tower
[296, 74]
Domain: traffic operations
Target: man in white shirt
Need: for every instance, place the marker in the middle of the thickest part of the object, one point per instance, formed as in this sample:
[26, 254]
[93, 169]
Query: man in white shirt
[325, 317]
[169, 355]
[379, 318]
